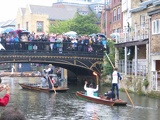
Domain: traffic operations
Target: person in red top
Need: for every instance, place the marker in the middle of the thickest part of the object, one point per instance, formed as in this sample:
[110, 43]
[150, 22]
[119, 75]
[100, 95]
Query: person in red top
[5, 99]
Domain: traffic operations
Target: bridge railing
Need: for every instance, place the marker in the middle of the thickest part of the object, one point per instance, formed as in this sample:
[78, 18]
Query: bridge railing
[54, 48]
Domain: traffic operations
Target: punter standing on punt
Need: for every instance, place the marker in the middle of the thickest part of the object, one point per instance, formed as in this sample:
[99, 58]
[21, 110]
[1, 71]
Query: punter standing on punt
[115, 80]
[49, 72]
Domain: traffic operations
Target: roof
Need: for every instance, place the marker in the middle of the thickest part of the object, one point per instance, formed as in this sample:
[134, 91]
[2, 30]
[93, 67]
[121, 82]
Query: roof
[145, 4]
[1, 23]
[156, 3]
[59, 11]
[22, 10]
[7, 23]
[153, 12]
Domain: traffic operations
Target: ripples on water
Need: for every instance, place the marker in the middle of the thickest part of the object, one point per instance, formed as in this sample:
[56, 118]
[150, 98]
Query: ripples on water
[66, 106]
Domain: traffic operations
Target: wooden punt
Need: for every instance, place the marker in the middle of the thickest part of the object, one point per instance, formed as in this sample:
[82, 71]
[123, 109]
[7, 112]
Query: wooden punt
[101, 100]
[37, 87]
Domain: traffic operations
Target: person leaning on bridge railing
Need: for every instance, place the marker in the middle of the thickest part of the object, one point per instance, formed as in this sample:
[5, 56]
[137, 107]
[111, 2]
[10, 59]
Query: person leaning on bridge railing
[42, 45]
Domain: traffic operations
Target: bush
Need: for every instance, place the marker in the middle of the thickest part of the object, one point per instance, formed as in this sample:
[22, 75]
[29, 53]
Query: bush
[145, 83]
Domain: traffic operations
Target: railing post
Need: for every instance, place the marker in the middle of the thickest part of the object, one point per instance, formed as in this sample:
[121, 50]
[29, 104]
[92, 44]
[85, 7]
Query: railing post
[156, 79]
[125, 64]
[116, 36]
[135, 27]
[136, 62]
[125, 35]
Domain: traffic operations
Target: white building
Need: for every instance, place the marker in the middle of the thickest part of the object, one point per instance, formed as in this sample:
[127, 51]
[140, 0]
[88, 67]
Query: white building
[126, 7]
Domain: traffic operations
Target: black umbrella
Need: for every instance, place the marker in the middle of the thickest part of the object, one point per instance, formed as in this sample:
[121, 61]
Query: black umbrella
[25, 32]
[101, 35]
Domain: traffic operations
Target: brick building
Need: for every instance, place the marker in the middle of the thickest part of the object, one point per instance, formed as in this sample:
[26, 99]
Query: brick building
[112, 18]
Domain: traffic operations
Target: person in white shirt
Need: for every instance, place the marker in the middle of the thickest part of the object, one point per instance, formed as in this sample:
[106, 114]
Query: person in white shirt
[90, 90]
[115, 80]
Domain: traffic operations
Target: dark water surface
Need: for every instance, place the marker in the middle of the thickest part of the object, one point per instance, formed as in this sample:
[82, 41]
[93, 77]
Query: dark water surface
[66, 106]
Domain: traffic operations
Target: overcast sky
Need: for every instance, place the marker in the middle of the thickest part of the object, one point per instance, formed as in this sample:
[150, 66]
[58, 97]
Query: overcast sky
[8, 8]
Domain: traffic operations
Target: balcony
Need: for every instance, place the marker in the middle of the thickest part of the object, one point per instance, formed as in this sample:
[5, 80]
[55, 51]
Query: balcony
[138, 33]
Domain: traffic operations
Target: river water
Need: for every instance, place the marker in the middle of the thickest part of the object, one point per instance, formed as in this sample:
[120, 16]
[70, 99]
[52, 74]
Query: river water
[65, 106]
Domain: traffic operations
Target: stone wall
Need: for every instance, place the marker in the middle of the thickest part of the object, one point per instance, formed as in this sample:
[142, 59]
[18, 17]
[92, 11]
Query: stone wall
[131, 83]
[155, 39]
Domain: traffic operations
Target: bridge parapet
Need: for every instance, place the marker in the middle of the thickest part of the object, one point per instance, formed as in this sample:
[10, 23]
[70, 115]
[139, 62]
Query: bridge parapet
[76, 60]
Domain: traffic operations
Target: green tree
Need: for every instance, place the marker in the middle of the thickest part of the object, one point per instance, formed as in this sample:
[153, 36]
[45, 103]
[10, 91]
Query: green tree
[106, 66]
[82, 24]
[60, 26]
[85, 24]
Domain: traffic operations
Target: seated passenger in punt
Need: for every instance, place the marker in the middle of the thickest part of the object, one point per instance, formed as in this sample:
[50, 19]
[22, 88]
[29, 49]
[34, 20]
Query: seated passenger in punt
[43, 81]
[90, 90]
[109, 94]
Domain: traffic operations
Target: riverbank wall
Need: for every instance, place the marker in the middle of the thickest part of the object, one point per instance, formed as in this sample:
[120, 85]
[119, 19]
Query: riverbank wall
[134, 84]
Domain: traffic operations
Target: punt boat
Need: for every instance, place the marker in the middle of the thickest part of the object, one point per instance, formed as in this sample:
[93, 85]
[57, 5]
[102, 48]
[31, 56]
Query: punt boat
[37, 87]
[100, 100]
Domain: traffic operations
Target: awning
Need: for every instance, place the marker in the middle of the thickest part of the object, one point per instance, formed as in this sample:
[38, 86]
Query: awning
[137, 9]
[156, 3]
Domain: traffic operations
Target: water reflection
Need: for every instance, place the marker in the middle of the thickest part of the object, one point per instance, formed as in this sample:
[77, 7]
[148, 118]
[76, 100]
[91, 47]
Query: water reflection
[66, 106]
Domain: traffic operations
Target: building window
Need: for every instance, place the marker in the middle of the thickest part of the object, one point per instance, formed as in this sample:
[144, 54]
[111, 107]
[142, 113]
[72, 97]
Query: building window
[39, 26]
[142, 18]
[156, 26]
[26, 25]
[119, 14]
[114, 15]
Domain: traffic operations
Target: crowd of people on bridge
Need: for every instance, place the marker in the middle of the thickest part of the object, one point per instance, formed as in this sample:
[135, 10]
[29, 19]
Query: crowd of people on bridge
[52, 42]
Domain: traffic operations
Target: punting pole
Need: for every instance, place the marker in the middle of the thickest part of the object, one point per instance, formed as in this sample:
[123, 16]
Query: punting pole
[52, 84]
[121, 82]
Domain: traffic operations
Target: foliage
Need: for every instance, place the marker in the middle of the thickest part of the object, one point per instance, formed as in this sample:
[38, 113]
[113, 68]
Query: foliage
[106, 84]
[153, 94]
[82, 24]
[60, 26]
[145, 83]
[107, 67]
[121, 53]
[85, 24]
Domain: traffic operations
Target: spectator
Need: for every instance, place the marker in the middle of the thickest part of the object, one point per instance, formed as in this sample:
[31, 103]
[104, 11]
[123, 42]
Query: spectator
[43, 81]
[4, 101]
[86, 43]
[90, 49]
[52, 40]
